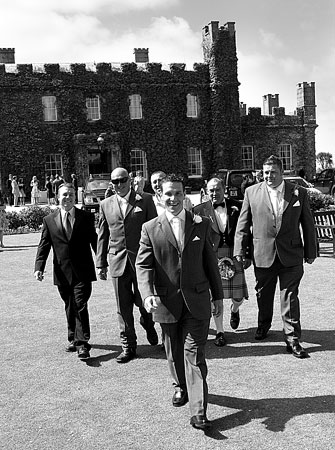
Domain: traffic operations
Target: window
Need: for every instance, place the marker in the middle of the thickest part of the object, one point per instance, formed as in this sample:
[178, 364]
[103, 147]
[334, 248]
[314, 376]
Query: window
[247, 157]
[285, 154]
[93, 108]
[49, 108]
[192, 106]
[53, 164]
[194, 162]
[135, 106]
[138, 162]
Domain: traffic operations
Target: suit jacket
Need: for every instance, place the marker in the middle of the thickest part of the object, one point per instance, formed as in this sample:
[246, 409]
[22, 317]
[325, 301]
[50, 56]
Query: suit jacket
[163, 271]
[120, 236]
[233, 210]
[72, 259]
[289, 243]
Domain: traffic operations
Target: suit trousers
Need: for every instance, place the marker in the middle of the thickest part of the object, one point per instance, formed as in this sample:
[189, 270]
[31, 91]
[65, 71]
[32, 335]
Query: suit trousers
[289, 280]
[127, 295]
[185, 343]
[75, 298]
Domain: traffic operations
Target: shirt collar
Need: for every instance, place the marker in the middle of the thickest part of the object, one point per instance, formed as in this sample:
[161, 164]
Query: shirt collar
[279, 188]
[125, 198]
[71, 212]
[181, 215]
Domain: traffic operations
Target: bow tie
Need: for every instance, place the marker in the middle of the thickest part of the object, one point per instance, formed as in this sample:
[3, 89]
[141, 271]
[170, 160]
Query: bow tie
[216, 205]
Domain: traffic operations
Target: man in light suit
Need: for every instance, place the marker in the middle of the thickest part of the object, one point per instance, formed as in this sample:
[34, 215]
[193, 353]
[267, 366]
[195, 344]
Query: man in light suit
[278, 215]
[121, 219]
[176, 266]
[223, 214]
[71, 234]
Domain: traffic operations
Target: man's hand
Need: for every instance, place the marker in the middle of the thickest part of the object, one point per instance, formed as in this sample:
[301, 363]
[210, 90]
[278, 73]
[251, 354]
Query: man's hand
[217, 308]
[246, 262]
[150, 303]
[309, 260]
[38, 275]
[102, 273]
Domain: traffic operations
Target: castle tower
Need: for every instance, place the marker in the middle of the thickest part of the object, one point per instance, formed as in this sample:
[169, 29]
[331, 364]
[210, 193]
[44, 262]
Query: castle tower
[270, 101]
[219, 50]
[306, 99]
[7, 55]
[141, 55]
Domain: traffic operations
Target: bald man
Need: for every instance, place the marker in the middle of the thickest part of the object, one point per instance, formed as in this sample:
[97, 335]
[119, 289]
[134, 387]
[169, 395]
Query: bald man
[121, 220]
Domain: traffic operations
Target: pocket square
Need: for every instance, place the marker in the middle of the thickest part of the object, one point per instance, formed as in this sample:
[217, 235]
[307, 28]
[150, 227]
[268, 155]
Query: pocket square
[196, 239]
[297, 203]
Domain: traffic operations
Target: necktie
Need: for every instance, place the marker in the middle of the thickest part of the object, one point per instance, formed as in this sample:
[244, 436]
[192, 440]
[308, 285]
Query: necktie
[176, 227]
[67, 225]
[124, 205]
[276, 202]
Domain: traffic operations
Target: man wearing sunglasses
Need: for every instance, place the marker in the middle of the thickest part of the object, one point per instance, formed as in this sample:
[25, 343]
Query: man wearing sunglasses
[121, 220]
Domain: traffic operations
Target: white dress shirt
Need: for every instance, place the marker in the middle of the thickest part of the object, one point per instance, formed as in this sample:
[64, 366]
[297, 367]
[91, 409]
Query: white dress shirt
[123, 202]
[178, 228]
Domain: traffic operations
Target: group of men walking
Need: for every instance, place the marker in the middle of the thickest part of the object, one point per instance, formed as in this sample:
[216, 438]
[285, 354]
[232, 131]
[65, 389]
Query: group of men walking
[177, 265]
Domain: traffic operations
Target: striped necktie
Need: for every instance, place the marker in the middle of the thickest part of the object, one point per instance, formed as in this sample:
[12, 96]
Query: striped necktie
[67, 225]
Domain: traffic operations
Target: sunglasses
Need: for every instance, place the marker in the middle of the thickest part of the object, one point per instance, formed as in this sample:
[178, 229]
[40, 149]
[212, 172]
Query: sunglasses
[120, 180]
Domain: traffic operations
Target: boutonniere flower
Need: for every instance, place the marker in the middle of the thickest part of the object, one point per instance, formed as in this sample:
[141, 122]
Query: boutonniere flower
[138, 197]
[296, 192]
[197, 218]
[234, 209]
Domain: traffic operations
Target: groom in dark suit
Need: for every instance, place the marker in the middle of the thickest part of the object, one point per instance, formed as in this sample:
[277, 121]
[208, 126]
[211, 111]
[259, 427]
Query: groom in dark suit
[276, 214]
[121, 219]
[176, 266]
[71, 234]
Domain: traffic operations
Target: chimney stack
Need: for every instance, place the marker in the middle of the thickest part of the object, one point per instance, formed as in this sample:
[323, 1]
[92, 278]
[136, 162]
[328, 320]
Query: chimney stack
[141, 55]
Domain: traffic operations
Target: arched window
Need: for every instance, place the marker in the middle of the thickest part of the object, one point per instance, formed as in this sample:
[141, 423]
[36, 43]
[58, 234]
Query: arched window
[49, 108]
[138, 162]
[192, 106]
[135, 106]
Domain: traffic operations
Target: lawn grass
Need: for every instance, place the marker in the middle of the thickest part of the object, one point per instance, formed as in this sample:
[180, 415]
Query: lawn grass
[260, 396]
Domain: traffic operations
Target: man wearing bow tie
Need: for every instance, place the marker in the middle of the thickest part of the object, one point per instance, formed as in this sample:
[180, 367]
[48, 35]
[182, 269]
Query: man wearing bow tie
[176, 266]
[276, 214]
[121, 219]
[223, 214]
[71, 234]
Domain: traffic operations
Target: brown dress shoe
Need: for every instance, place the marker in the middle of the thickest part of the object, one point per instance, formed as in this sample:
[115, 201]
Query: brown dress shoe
[70, 347]
[126, 356]
[83, 353]
[295, 348]
[180, 398]
[201, 423]
[234, 319]
[219, 340]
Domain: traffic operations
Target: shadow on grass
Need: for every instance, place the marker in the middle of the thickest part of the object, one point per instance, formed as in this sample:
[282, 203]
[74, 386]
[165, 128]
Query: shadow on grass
[143, 352]
[313, 340]
[275, 412]
[13, 248]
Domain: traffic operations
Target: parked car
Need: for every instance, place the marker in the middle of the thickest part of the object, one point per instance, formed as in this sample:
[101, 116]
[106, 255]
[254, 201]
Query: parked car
[94, 191]
[325, 181]
[233, 180]
[301, 182]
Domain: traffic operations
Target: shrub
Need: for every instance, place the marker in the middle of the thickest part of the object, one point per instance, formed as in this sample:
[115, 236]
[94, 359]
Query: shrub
[319, 201]
[14, 220]
[32, 216]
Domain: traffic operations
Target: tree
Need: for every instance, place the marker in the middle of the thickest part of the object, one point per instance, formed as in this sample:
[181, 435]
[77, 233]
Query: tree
[325, 159]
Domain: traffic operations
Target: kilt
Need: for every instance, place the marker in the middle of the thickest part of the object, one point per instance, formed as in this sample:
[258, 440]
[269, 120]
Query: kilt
[235, 287]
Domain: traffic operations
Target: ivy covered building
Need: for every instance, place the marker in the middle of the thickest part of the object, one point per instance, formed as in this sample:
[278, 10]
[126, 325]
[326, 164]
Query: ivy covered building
[82, 118]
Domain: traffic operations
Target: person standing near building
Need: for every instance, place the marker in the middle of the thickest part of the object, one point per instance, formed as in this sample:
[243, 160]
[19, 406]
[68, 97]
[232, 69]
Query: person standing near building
[50, 191]
[15, 190]
[22, 194]
[276, 214]
[176, 266]
[70, 232]
[56, 183]
[223, 214]
[35, 192]
[156, 184]
[121, 218]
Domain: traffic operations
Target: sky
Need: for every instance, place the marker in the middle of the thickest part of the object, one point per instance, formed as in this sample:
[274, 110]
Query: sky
[280, 43]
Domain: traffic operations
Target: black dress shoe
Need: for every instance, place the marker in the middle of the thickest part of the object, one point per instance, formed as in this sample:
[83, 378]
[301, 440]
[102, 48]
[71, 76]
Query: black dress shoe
[200, 422]
[219, 340]
[261, 333]
[126, 356]
[234, 319]
[152, 336]
[83, 353]
[295, 348]
[70, 347]
[180, 398]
